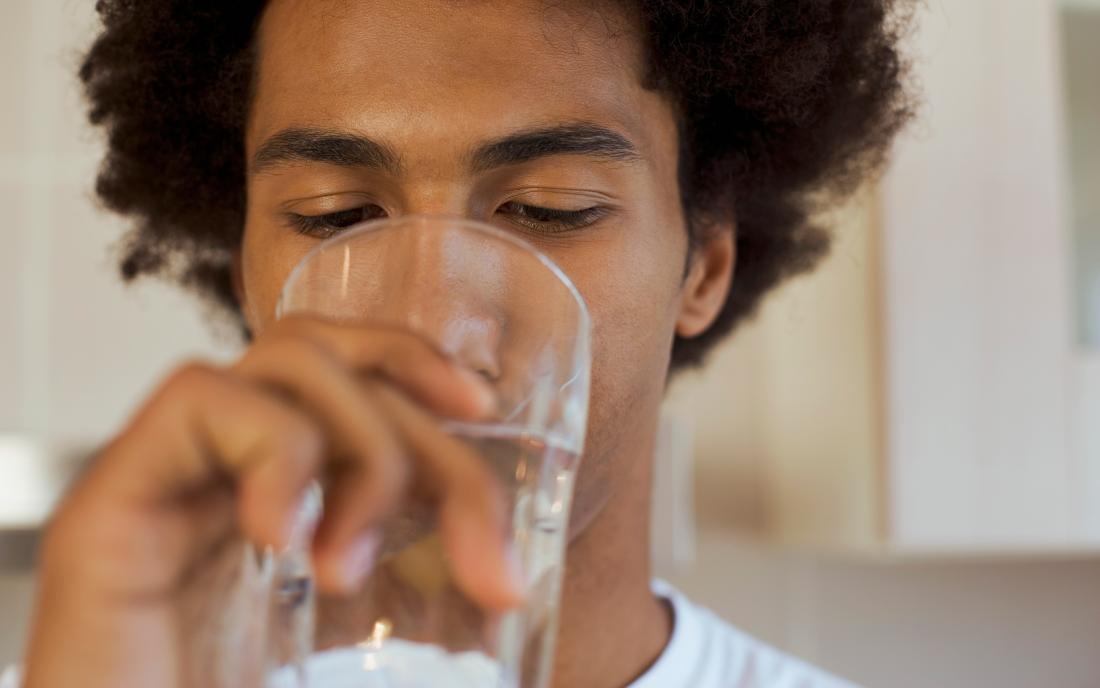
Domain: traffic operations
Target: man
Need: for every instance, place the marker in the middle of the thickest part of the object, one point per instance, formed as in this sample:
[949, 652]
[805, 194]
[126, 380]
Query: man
[649, 148]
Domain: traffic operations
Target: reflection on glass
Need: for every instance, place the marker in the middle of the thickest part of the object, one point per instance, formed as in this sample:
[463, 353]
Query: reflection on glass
[1081, 55]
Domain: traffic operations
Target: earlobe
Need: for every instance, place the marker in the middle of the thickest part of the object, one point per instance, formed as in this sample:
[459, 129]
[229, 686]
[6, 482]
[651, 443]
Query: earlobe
[707, 284]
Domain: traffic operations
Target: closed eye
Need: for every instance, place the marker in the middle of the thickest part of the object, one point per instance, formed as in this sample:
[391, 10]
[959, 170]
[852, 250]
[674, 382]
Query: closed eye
[551, 220]
[328, 224]
[532, 217]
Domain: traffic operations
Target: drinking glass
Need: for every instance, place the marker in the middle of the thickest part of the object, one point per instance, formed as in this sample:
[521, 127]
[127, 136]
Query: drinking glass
[487, 298]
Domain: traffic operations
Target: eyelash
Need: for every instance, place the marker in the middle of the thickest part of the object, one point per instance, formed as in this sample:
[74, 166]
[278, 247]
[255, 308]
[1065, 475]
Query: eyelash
[533, 217]
[328, 224]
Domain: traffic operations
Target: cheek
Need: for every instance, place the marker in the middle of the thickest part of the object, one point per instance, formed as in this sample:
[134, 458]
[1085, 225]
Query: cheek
[632, 289]
[634, 303]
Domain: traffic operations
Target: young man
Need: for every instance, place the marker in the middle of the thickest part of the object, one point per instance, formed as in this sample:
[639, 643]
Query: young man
[649, 147]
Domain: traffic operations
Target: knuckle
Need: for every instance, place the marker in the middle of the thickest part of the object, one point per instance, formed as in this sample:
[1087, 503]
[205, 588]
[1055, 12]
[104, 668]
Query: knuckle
[278, 350]
[292, 346]
[187, 381]
[189, 376]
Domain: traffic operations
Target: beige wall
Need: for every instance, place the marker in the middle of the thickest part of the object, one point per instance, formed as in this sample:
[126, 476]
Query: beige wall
[787, 414]
[912, 624]
[802, 371]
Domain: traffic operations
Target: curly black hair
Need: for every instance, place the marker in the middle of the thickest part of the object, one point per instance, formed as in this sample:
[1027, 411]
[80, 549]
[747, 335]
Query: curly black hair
[782, 103]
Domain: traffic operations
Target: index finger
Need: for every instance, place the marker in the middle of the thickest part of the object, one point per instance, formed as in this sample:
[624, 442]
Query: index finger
[408, 360]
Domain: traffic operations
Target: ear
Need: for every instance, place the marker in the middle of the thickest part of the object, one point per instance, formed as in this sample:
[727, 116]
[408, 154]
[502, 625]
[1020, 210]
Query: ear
[708, 281]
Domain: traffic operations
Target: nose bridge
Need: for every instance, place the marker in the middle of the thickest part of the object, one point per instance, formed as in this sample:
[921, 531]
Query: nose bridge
[427, 290]
[436, 193]
[446, 296]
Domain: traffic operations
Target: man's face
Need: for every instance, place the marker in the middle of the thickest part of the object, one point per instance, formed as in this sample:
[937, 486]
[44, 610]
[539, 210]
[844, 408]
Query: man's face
[431, 81]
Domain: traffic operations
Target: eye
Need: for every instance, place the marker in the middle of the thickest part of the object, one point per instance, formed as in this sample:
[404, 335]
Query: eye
[551, 220]
[326, 225]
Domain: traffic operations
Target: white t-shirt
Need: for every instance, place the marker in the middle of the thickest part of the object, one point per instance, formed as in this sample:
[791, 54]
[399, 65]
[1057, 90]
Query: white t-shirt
[706, 652]
[703, 652]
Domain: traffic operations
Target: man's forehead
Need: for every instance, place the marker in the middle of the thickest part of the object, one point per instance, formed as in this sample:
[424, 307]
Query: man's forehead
[566, 31]
[436, 68]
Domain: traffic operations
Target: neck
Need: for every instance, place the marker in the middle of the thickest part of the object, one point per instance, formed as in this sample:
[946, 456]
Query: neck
[612, 627]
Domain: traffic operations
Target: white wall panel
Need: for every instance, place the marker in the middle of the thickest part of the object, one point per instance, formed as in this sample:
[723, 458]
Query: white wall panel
[79, 349]
[975, 274]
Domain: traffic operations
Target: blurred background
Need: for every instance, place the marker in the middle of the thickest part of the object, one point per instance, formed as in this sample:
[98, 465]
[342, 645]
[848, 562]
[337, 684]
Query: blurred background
[893, 472]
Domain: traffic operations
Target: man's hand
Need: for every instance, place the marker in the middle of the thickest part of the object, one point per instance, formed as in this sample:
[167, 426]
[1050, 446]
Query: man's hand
[222, 453]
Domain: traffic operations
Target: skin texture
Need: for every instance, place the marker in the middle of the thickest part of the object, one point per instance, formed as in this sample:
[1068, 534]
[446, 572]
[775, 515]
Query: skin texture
[535, 67]
[784, 109]
[402, 76]
[431, 81]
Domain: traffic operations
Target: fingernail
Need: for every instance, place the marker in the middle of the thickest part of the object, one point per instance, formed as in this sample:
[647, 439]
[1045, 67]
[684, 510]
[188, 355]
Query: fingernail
[299, 525]
[359, 559]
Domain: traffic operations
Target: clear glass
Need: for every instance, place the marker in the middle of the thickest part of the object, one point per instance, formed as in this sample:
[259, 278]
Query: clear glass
[503, 309]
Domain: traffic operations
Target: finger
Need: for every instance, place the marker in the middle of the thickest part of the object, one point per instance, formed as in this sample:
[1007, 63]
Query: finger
[203, 429]
[410, 361]
[472, 507]
[366, 458]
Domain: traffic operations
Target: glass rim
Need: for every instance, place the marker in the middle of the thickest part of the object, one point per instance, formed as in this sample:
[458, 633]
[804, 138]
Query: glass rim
[423, 219]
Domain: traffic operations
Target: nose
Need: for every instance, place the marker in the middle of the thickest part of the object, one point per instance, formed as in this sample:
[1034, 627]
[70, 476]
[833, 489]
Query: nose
[449, 291]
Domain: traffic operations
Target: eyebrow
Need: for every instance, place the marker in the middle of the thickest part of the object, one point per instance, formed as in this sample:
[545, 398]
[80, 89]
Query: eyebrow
[346, 149]
[582, 138]
[318, 145]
